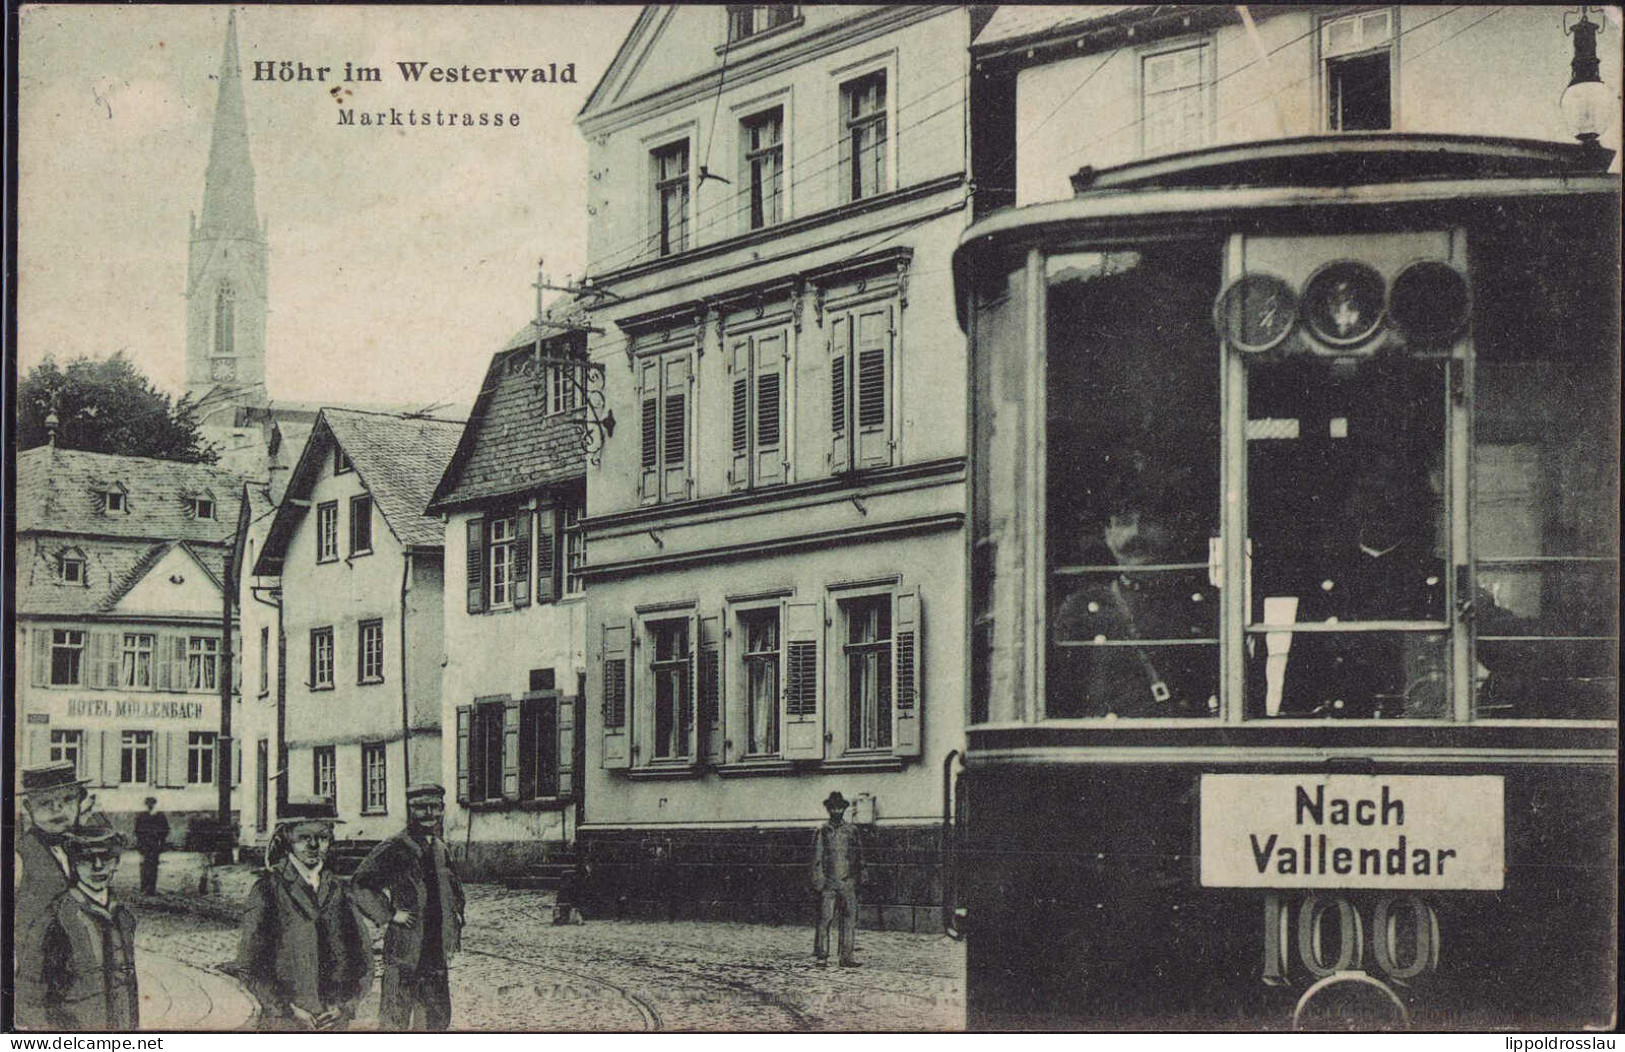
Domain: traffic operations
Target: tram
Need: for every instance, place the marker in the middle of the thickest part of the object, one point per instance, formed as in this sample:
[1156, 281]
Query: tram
[1294, 578]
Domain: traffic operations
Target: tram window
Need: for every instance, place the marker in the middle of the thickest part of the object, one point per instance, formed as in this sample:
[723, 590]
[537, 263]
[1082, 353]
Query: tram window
[1132, 392]
[1348, 578]
[1546, 483]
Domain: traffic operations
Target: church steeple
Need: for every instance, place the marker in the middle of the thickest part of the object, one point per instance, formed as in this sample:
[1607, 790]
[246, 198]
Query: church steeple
[226, 264]
[228, 186]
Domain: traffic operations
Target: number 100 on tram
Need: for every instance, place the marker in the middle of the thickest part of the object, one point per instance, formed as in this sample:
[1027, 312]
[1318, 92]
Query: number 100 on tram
[1294, 582]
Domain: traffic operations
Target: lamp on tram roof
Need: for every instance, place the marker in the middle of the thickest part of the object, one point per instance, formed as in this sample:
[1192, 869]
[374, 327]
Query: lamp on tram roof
[1586, 101]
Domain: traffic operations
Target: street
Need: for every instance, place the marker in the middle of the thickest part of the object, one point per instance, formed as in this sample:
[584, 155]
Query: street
[519, 972]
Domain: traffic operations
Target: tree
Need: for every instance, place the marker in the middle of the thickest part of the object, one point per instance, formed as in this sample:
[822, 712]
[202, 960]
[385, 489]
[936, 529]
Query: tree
[108, 406]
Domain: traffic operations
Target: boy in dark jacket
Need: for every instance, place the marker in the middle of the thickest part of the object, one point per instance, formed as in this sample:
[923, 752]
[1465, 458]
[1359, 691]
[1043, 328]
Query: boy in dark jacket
[304, 951]
[76, 960]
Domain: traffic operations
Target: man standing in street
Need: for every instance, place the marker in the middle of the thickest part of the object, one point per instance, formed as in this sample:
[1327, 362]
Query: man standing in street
[407, 886]
[837, 870]
[151, 835]
[76, 961]
[53, 797]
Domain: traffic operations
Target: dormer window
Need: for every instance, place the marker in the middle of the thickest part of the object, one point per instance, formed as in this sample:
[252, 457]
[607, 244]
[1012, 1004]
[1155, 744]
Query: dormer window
[116, 502]
[341, 463]
[202, 508]
[70, 567]
[749, 20]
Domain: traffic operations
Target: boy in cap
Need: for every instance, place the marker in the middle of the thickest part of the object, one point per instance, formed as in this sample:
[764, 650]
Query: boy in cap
[76, 960]
[304, 951]
[836, 871]
[53, 797]
[407, 886]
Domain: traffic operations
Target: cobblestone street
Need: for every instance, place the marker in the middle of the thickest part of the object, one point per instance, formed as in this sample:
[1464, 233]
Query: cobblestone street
[519, 972]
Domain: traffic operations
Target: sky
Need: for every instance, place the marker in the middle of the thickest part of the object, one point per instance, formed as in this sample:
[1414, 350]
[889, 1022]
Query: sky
[400, 259]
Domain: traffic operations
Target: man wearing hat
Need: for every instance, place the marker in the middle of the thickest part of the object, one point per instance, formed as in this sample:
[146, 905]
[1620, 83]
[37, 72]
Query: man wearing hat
[407, 886]
[53, 797]
[303, 950]
[837, 868]
[151, 834]
[76, 960]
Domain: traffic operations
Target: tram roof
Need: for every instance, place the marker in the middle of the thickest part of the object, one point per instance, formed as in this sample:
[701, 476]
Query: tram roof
[1286, 174]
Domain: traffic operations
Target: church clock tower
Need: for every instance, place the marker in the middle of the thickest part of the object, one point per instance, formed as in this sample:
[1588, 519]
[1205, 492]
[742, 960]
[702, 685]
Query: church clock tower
[226, 266]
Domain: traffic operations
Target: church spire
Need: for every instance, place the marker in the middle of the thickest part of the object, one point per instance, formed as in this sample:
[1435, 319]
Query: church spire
[228, 186]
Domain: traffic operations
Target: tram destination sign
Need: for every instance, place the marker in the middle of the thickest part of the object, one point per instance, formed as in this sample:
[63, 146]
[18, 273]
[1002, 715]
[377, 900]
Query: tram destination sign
[1401, 832]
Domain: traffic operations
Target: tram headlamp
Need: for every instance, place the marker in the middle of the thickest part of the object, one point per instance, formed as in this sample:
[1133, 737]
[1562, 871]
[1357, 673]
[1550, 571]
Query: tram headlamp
[1429, 300]
[1587, 102]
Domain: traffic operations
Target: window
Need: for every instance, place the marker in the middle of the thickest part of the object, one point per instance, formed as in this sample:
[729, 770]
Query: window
[341, 462]
[324, 767]
[370, 652]
[116, 502]
[1357, 54]
[321, 658]
[1176, 104]
[861, 348]
[758, 365]
[374, 779]
[202, 662]
[563, 392]
[327, 531]
[575, 546]
[671, 676]
[671, 198]
[762, 177]
[70, 567]
[360, 525]
[200, 750]
[664, 397]
[69, 746]
[863, 169]
[135, 663]
[135, 758]
[483, 765]
[748, 20]
[538, 747]
[498, 561]
[868, 655]
[202, 508]
[265, 659]
[225, 320]
[501, 561]
[67, 657]
[760, 631]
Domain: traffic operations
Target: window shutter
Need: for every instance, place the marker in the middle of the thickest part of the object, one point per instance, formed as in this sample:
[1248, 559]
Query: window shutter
[112, 649]
[874, 411]
[739, 366]
[649, 396]
[709, 691]
[510, 749]
[160, 664]
[112, 753]
[90, 756]
[566, 746]
[804, 715]
[41, 638]
[39, 746]
[685, 715]
[179, 673]
[547, 538]
[236, 669]
[770, 369]
[93, 661]
[475, 558]
[907, 712]
[615, 687]
[519, 565]
[177, 757]
[464, 717]
[674, 452]
[840, 354]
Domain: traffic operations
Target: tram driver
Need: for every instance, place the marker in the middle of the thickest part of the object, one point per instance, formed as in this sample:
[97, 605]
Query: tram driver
[1140, 638]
